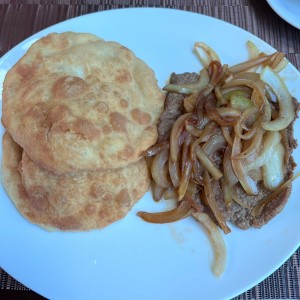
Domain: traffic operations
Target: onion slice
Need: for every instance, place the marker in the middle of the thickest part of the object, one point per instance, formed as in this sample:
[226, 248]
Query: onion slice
[271, 140]
[273, 170]
[175, 135]
[216, 240]
[248, 184]
[186, 174]
[226, 135]
[182, 210]
[250, 63]
[206, 54]
[214, 115]
[229, 175]
[257, 86]
[153, 150]
[253, 53]
[254, 146]
[158, 169]
[258, 209]
[191, 88]
[284, 98]
[157, 191]
[211, 200]
[170, 194]
[207, 163]
[174, 172]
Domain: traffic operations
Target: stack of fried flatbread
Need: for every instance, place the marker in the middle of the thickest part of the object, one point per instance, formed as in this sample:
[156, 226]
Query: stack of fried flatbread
[78, 113]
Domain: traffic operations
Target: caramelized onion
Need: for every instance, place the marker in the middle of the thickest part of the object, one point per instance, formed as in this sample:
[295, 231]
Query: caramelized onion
[235, 90]
[215, 71]
[219, 95]
[207, 163]
[229, 174]
[182, 210]
[216, 240]
[241, 124]
[271, 140]
[174, 171]
[185, 150]
[158, 169]
[153, 150]
[226, 135]
[247, 75]
[256, 174]
[186, 174]
[228, 112]
[157, 191]
[196, 168]
[284, 98]
[258, 209]
[240, 102]
[189, 102]
[273, 170]
[213, 114]
[237, 199]
[279, 62]
[175, 134]
[255, 85]
[281, 65]
[193, 130]
[213, 145]
[227, 192]
[170, 194]
[246, 181]
[207, 132]
[231, 125]
[254, 147]
[250, 63]
[253, 53]
[267, 111]
[192, 196]
[191, 88]
[206, 54]
[210, 198]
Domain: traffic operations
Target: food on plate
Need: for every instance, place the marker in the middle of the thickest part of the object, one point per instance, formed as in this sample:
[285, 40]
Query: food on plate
[75, 201]
[75, 101]
[78, 112]
[225, 145]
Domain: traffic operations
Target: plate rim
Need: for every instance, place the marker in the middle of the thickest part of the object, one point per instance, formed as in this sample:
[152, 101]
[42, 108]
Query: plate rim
[7, 54]
[277, 9]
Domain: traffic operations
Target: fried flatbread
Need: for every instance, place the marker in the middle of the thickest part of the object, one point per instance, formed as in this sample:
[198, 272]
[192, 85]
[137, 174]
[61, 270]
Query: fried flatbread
[77, 102]
[71, 202]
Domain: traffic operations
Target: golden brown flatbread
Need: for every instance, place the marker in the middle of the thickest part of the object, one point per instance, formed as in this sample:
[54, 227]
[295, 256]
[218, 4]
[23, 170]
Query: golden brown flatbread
[75, 202]
[75, 101]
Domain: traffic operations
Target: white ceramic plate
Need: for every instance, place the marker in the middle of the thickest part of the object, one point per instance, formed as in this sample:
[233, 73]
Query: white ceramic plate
[289, 10]
[132, 259]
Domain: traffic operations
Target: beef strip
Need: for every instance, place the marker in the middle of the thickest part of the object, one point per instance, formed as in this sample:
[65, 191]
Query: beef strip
[173, 105]
[237, 214]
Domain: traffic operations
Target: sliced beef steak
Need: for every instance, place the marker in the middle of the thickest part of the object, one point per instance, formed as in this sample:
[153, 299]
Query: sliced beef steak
[173, 105]
[240, 215]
